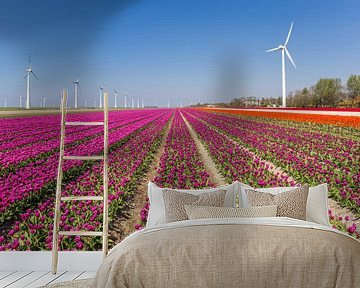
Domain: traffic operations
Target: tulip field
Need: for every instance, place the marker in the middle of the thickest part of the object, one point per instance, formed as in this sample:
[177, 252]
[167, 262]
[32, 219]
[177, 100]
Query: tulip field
[258, 150]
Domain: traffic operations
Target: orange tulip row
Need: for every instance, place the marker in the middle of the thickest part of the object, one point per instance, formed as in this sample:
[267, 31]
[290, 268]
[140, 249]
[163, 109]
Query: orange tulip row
[352, 121]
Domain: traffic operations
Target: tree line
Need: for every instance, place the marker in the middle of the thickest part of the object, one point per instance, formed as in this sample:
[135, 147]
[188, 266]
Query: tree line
[327, 92]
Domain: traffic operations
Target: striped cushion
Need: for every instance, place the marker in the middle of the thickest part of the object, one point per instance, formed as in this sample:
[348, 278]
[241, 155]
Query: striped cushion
[201, 212]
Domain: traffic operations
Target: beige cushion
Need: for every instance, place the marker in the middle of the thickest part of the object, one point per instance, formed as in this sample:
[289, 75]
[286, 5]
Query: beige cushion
[290, 203]
[175, 201]
[201, 212]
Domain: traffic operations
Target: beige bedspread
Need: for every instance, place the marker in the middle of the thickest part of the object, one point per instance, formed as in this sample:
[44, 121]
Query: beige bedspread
[233, 255]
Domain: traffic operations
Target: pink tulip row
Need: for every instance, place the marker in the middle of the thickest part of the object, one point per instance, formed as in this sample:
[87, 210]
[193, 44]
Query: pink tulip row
[127, 165]
[233, 161]
[180, 165]
[49, 144]
[29, 184]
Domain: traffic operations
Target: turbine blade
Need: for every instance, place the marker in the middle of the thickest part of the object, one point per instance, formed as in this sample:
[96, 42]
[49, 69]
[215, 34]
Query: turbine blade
[289, 56]
[34, 75]
[288, 36]
[273, 49]
[79, 86]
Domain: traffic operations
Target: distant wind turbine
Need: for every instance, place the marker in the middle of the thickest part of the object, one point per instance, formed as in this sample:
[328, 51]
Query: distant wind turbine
[142, 102]
[100, 94]
[138, 102]
[116, 93]
[28, 71]
[76, 89]
[126, 95]
[132, 101]
[283, 51]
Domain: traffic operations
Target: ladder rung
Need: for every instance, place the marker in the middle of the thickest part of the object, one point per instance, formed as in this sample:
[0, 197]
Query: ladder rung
[80, 233]
[75, 198]
[84, 123]
[83, 157]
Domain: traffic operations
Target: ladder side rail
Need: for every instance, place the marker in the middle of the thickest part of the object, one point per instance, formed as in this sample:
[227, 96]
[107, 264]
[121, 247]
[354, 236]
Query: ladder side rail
[55, 243]
[105, 193]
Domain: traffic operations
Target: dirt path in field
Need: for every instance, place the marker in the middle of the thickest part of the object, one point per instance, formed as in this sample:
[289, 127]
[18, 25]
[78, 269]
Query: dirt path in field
[209, 164]
[271, 167]
[125, 225]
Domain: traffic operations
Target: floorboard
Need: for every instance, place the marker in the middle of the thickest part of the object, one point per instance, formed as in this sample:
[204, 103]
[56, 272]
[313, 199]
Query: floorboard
[86, 275]
[28, 279]
[5, 274]
[48, 278]
[68, 276]
[12, 278]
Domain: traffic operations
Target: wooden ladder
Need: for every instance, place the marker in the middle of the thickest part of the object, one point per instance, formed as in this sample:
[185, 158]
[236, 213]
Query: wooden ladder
[59, 198]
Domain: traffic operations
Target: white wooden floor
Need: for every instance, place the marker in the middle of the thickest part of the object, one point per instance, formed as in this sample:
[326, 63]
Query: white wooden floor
[32, 279]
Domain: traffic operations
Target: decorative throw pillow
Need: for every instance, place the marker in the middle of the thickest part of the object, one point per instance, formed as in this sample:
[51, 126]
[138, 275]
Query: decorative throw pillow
[175, 201]
[156, 215]
[290, 203]
[317, 203]
[201, 212]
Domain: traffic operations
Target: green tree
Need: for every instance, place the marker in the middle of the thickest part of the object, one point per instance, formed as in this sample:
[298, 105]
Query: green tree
[353, 87]
[327, 92]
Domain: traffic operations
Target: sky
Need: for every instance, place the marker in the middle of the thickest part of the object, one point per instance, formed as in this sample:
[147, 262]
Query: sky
[178, 51]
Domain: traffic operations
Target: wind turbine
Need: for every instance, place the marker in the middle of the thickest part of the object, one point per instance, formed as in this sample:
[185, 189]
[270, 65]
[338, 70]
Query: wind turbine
[142, 102]
[138, 102]
[283, 51]
[126, 100]
[76, 88]
[116, 92]
[28, 71]
[100, 94]
[132, 102]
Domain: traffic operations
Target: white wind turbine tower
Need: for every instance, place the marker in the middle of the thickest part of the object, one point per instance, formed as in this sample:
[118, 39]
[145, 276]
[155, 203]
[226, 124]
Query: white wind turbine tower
[28, 71]
[126, 99]
[116, 93]
[100, 94]
[142, 102]
[76, 90]
[138, 102]
[283, 51]
[132, 102]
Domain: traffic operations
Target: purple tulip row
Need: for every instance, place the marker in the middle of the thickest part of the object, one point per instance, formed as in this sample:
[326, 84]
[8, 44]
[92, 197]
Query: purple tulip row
[32, 182]
[180, 165]
[304, 156]
[127, 164]
[50, 144]
[340, 151]
[233, 161]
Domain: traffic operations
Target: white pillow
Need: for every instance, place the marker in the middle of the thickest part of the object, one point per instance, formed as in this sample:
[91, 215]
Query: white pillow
[156, 213]
[317, 202]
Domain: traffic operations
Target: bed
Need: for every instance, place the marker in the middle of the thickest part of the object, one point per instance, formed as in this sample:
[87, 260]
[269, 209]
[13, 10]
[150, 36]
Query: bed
[233, 252]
